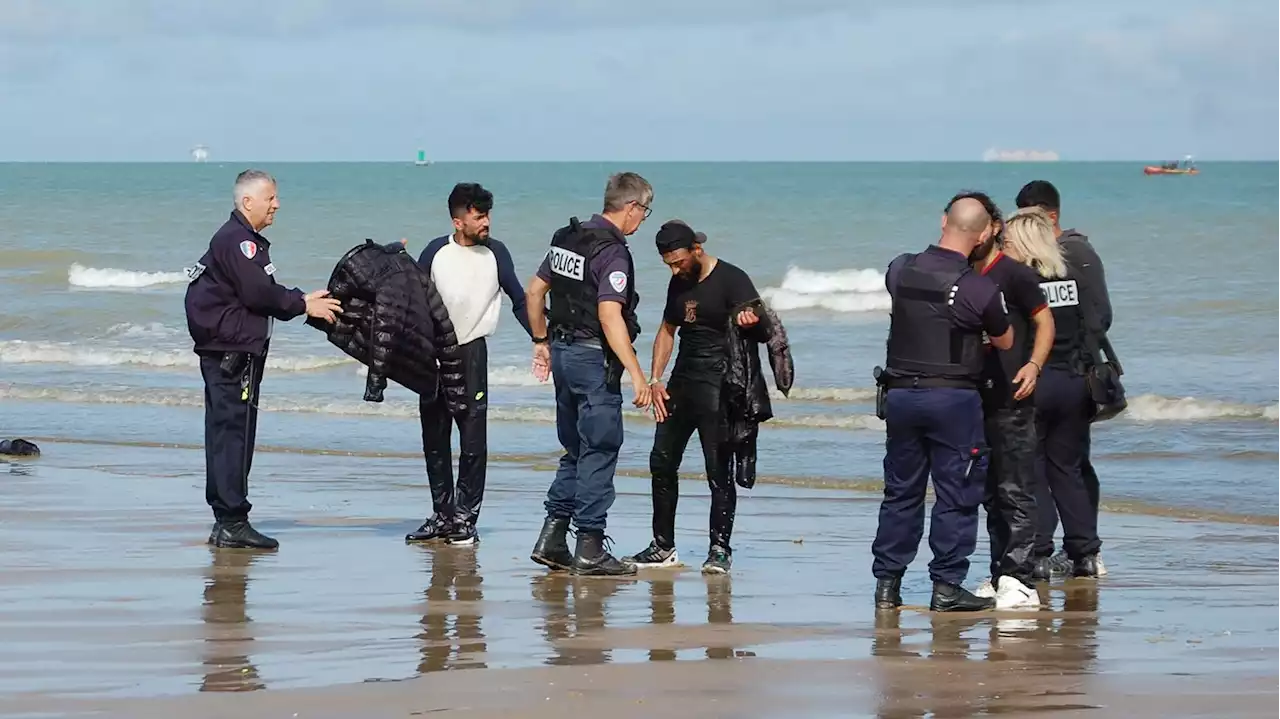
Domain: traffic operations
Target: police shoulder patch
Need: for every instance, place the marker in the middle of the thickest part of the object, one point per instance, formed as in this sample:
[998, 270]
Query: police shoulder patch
[249, 249]
[618, 280]
[270, 268]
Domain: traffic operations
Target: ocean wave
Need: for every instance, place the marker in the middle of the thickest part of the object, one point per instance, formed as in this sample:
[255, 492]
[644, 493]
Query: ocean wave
[852, 290]
[1154, 408]
[110, 278]
[23, 352]
[396, 408]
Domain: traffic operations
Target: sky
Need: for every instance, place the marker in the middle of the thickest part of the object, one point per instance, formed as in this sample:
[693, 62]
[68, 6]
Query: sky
[472, 80]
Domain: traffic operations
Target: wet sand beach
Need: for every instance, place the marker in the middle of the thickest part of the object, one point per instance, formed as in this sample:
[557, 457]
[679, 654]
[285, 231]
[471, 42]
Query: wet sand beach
[112, 605]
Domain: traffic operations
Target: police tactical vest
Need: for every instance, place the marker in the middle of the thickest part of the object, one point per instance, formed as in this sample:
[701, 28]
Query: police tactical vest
[924, 340]
[574, 293]
[1063, 298]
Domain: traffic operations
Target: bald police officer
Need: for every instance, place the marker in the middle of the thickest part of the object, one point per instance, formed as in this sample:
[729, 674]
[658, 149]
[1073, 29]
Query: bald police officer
[590, 275]
[231, 302]
[932, 410]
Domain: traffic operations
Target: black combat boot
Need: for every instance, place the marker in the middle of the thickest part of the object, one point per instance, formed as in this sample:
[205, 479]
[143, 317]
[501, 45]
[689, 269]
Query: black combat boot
[592, 559]
[954, 598]
[239, 534]
[889, 593]
[552, 548]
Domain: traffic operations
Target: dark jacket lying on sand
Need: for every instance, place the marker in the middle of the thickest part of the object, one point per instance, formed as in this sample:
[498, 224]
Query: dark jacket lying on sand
[744, 394]
[394, 322]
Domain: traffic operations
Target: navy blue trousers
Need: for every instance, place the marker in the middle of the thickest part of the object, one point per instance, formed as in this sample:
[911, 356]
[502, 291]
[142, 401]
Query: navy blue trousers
[1062, 424]
[931, 432]
[589, 424]
[230, 430]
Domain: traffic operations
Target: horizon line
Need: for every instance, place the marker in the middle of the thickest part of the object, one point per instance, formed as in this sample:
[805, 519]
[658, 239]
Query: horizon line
[411, 162]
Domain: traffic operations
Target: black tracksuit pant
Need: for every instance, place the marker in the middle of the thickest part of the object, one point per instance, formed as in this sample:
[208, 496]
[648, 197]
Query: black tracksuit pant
[230, 430]
[437, 430]
[694, 405]
[1010, 497]
[1062, 419]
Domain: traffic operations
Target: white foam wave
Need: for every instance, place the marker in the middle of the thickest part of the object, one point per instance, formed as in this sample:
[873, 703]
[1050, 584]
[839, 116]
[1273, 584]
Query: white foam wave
[23, 352]
[852, 290]
[1154, 408]
[110, 278]
[150, 330]
[498, 376]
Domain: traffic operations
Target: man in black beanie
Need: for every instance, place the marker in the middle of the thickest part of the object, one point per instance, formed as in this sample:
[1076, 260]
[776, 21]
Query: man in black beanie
[703, 295]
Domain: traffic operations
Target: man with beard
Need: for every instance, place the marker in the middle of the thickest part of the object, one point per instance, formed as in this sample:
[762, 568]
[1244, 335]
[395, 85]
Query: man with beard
[1009, 415]
[703, 295]
[470, 270]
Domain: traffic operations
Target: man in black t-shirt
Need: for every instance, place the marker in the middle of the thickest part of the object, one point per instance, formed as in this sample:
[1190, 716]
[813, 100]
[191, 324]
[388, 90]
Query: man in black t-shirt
[1009, 415]
[704, 294]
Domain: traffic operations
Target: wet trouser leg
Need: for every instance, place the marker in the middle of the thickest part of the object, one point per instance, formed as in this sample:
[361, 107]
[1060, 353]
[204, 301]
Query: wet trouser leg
[1010, 491]
[930, 431]
[473, 447]
[670, 439]
[230, 431]
[589, 425]
[437, 426]
[1048, 512]
[1062, 409]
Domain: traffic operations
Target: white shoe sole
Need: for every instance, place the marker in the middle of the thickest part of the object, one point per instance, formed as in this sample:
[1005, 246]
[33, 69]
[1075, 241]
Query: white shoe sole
[714, 570]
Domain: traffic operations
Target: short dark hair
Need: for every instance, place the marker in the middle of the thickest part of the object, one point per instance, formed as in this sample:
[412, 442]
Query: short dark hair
[987, 203]
[1039, 193]
[468, 196]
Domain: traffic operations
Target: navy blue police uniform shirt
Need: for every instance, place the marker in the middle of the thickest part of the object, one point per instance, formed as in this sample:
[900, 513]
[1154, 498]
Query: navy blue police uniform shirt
[1019, 287]
[608, 268]
[234, 294]
[977, 305]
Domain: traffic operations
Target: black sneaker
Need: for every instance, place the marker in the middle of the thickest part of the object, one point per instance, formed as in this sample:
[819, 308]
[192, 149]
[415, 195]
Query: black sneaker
[463, 534]
[1048, 567]
[213, 533]
[654, 557]
[954, 598]
[434, 529]
[1090, 566]
[593, 558]
[241, 535]
[718, 561]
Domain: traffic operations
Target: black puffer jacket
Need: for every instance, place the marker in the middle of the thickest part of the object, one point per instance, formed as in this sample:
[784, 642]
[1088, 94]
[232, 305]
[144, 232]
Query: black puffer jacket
[744, 394]
[394, 322]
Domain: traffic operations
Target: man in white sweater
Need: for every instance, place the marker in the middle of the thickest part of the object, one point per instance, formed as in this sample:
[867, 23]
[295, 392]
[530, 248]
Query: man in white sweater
[471, 271]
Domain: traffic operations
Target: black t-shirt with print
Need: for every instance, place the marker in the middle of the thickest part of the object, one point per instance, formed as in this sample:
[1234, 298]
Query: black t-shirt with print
[701, 311]
[1020, 289]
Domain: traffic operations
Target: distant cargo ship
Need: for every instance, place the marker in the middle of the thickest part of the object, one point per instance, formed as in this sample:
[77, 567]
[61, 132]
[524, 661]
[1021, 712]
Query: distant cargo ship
[994, 155]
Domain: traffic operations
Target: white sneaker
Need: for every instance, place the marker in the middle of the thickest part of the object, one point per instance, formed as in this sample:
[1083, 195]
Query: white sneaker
[986, 590]
[1016, 595]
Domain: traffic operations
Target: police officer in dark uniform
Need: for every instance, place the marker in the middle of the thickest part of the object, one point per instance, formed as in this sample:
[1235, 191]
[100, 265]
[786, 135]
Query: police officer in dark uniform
[932, 409]
[231, 302]
[1088, 277]
[590, 275]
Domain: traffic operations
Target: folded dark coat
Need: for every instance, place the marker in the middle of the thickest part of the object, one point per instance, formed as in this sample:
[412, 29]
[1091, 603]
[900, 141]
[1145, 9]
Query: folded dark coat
[394, 322]
[744, 394]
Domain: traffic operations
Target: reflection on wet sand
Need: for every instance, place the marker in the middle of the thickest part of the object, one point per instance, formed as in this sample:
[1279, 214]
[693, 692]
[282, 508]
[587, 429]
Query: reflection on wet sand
[1036, 661]
[587, 615]
[451, 634]
[662, 610]
[227, 626]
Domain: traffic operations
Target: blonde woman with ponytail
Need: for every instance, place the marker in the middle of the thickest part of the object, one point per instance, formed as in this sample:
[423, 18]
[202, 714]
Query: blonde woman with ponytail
[1028, 238]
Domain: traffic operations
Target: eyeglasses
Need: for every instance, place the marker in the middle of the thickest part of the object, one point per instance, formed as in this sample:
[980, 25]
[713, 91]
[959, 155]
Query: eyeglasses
[647, 210]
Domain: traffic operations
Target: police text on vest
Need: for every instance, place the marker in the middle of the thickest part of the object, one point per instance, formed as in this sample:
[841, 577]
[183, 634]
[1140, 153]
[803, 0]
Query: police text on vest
[1061, 294]
[566, 263]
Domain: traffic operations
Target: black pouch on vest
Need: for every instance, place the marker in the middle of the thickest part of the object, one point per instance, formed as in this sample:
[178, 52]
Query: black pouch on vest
[882, 393]
[233, 363]
[1102, 371]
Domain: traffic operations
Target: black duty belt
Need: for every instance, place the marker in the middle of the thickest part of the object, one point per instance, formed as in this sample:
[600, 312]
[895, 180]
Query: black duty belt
[929, 383]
